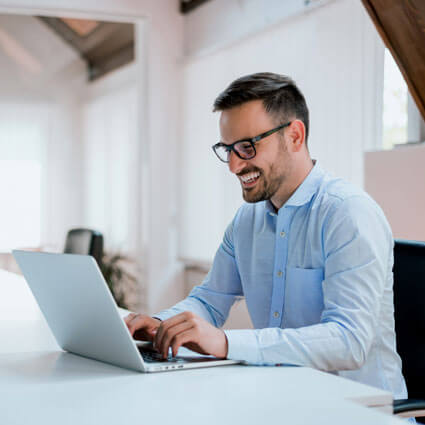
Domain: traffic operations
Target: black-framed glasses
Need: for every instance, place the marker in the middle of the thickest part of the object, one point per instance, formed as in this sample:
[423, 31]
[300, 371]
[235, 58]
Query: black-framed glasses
[245, 148]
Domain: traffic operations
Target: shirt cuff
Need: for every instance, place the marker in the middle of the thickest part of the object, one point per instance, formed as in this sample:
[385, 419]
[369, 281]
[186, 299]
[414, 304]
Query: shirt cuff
[164, 315]
[243, 345]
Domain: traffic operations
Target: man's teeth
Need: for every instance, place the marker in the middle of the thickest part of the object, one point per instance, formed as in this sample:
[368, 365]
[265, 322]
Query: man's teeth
[246, 178]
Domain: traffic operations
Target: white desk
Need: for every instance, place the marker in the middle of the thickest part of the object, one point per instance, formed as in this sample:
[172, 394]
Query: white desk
[40, 384]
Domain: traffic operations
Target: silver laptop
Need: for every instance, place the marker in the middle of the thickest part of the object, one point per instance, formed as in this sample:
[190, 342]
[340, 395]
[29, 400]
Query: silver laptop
[83, 316]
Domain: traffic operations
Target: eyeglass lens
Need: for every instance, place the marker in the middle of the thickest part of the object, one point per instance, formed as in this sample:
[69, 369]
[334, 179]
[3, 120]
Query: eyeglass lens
[244, 149]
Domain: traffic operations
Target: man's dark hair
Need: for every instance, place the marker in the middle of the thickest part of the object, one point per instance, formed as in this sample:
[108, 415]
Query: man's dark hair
[279, 93]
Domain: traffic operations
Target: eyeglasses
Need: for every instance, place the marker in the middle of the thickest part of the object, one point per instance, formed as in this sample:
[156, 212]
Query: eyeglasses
[244, 149]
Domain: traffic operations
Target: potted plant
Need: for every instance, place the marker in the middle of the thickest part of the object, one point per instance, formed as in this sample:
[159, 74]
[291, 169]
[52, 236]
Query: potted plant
[120, 273]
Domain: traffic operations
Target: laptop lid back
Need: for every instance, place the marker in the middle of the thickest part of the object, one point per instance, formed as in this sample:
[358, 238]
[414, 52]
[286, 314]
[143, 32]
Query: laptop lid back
[79, 307]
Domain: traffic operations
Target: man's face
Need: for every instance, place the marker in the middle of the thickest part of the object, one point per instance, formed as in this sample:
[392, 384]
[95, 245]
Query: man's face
[264, 176]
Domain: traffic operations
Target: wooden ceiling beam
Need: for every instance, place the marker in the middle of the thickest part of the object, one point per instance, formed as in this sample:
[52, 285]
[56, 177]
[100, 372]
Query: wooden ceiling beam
[187, 6]
[401, 25]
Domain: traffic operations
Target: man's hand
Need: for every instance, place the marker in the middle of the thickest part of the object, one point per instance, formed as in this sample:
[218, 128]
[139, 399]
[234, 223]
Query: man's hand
[193, 332]
[141, 326]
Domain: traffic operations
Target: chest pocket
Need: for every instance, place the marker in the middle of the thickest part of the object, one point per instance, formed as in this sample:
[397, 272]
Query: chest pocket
[303, 297]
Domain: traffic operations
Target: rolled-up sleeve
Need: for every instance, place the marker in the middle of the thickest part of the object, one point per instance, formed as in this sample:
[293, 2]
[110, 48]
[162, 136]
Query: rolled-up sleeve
[213, 299]
[357, 244]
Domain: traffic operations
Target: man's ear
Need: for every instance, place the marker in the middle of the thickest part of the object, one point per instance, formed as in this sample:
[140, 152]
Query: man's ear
[296, 135]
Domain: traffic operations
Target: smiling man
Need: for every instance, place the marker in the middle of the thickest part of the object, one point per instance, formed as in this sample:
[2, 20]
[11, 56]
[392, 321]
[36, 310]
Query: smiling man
[311, 254]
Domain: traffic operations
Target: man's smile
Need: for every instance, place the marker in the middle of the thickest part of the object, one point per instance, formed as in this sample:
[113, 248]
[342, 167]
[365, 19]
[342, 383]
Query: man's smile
[249, 180]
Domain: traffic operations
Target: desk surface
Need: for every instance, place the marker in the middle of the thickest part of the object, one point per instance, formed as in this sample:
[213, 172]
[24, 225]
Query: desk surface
[38, 381]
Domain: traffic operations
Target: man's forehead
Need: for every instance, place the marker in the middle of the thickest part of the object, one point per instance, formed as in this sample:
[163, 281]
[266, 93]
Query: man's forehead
[246, 120]
[251, 108]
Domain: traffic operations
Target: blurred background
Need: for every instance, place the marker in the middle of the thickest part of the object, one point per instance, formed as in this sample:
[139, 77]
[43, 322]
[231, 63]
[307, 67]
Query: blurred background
[106, 124]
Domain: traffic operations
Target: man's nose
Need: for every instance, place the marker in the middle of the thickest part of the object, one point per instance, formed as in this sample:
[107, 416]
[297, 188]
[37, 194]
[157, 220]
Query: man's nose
[236, 164]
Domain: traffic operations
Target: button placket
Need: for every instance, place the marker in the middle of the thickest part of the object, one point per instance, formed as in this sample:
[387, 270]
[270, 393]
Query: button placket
[281, 254]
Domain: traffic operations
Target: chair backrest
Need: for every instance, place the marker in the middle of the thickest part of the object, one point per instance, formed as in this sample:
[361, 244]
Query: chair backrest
[409, 312]
[86, 242]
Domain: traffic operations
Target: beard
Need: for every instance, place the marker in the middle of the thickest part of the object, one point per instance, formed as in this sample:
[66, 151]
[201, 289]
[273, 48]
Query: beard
[266, 186]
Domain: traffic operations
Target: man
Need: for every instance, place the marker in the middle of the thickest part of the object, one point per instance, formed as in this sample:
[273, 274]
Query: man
[311, 254]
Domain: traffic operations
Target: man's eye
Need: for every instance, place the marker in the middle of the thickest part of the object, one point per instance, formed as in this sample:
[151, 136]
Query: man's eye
[245, 147]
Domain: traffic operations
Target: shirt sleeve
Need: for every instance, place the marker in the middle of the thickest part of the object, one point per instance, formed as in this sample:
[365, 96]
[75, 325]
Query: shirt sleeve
[213, 299]
[357, 244]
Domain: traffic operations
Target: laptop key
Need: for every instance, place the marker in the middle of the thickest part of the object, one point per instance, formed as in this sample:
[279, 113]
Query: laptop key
[152, 356]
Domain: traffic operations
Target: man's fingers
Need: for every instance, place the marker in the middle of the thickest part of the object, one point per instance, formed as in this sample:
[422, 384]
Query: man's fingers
[170, 334]
[138, 321]
[181, 339]
[167, 324]
[135, 324]
[129, 318]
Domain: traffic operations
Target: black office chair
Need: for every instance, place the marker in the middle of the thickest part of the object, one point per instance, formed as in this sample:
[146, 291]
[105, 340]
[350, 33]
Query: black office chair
[86, 242]
[409, 313]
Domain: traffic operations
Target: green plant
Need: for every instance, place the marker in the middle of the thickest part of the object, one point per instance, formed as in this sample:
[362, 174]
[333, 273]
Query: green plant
[119, 272]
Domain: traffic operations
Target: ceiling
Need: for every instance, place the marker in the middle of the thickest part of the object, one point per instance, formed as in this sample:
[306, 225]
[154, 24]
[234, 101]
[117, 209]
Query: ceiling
[104, 46]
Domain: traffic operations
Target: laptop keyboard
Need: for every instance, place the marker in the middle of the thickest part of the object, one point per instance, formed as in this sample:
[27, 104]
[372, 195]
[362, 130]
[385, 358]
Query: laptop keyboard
[153, 357]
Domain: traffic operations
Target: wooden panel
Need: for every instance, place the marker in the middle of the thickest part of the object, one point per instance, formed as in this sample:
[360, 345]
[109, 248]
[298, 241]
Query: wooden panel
[82, 27]
[188, 5]
[401, 24]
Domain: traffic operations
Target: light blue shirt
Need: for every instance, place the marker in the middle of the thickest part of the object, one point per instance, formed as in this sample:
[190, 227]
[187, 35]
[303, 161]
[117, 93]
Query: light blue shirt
[317, 280]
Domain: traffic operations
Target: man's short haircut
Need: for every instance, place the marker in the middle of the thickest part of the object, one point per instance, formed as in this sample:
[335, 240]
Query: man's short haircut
[279, 93]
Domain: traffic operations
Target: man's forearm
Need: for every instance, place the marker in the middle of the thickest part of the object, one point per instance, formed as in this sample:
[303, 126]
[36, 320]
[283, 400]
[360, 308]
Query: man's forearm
[325, 346]
[190, 303]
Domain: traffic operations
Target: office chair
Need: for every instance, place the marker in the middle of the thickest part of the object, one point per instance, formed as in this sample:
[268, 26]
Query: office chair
[409, 313]
[86, 242]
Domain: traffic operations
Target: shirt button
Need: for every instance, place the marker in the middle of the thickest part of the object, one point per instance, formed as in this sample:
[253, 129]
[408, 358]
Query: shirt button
[279, 273]
[283, 234]
[276, 314]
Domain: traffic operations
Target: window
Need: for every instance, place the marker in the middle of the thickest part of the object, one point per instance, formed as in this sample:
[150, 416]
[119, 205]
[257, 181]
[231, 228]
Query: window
[395, 104]
[22, 140]
[20, 214]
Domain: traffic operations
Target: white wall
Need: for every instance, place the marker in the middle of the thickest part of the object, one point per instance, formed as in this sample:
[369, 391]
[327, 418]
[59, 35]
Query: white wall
[395, 179]
[333, 53]
[219, 23]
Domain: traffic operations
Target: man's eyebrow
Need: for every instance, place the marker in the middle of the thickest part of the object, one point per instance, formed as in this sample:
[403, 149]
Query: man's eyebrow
[236, 141]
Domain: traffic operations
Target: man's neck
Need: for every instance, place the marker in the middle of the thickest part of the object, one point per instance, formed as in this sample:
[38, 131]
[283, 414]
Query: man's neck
[301, 175]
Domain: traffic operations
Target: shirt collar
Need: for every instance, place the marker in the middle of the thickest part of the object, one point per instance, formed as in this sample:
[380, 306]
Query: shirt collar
[304, 192]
